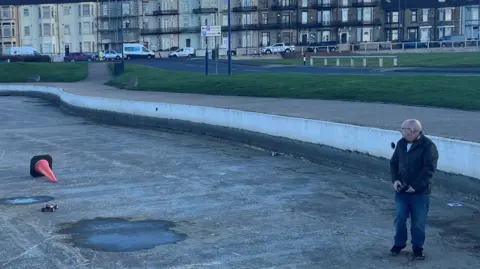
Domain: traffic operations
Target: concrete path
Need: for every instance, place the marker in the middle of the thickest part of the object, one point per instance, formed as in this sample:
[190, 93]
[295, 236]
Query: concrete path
[450, 123]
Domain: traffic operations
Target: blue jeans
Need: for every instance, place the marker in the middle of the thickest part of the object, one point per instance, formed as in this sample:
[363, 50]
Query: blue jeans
[417, 206]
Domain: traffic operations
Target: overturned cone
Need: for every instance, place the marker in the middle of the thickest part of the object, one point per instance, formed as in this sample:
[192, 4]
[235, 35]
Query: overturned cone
[41, 165]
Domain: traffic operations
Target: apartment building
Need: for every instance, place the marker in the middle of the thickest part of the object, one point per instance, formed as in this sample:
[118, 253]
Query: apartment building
[425, 20]
[54, 28]
[119, 21]
[9, 29]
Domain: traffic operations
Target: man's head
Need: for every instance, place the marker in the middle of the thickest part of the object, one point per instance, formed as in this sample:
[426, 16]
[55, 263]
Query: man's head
[411, 128]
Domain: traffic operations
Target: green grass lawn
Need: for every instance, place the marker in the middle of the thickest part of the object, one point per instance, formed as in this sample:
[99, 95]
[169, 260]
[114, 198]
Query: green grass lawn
[443, 59]
[49, 72]
[439, 91]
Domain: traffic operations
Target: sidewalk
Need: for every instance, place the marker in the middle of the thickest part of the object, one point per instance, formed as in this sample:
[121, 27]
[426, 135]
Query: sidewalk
[450, 123]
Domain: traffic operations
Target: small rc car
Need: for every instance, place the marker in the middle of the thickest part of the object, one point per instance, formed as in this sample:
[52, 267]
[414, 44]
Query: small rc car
[49, 208]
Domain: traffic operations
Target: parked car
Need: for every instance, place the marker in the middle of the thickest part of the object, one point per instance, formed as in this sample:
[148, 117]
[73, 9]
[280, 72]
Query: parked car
[278, 48]
[183, 52]
[76, 57]
[324, 46]
[111, 55]
[453, 41]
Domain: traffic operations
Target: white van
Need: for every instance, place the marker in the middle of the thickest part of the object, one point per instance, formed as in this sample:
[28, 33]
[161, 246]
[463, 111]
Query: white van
[12, 51]
[131, 51]
[185, 52]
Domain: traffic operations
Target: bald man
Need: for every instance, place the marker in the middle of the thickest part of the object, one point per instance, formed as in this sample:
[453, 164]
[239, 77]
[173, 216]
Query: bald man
[412, 166]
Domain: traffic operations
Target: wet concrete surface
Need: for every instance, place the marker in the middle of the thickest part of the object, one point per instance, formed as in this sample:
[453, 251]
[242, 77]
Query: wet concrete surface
[25, 200]
[236, 207]
[121, 235]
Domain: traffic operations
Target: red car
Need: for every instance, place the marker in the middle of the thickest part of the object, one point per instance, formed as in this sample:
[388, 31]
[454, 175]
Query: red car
[76, 56]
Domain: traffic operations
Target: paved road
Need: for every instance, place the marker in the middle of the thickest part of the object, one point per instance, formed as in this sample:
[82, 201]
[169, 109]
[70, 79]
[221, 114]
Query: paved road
[198, 65]
[225, 206]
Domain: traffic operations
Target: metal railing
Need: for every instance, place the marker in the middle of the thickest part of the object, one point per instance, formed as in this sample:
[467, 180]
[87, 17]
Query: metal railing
[352, 59]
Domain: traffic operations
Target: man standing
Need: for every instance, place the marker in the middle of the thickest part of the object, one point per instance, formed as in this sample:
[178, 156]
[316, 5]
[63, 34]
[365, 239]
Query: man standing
[412, 166]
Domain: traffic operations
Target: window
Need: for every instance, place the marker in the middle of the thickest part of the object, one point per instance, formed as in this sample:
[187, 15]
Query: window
[425, 15]
[46, 48]
[87, 46]
[46, 29]
[7, 30]
[392, 35]
[6, 13]
[66, 10]
[26, 31]
[304, 3]
[46, 12]
[395, 17]
[344, 14]
[265, 39]
[472, 14]
[445, 31]
[414, 16]
[304, 17]
[66, 29]
[85, 28]
[26, 12]
[324, 17]
[367, 14]
[264, 18]
[86, 10]
[413, 34]
[448, 14]
[224, 20]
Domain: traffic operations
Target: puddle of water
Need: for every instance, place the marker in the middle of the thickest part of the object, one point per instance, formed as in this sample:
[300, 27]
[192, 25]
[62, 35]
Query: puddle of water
[25, 200]
[121, 235]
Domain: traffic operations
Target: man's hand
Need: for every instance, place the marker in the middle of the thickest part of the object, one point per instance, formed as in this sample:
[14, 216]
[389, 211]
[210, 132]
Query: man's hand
[397, 184]
[410, 189]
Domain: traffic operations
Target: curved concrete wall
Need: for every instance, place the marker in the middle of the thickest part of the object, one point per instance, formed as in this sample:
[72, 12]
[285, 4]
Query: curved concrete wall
[457, 157]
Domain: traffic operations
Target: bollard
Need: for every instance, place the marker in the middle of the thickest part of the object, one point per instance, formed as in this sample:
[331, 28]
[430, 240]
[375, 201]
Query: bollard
[325, 61]
[395, 61]
[338, 62]
[351, 62]
[311, 61]
[364, 61]
[304, 60]
[380, 62]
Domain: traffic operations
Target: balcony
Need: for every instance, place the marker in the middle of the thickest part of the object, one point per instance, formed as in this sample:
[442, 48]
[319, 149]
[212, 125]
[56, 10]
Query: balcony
[205, 10]
[117, 16]
[284, 7]
[375, 22]
[165, 12]
[245, 9]
[361, 3]
[242, 27]
[160, 31]
[323, 6]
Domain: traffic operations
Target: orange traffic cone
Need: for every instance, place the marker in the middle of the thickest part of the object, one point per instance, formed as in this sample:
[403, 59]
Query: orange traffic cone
[42, 166]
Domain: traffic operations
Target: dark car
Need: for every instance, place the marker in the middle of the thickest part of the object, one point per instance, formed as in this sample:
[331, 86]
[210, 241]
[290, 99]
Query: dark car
[76, 56]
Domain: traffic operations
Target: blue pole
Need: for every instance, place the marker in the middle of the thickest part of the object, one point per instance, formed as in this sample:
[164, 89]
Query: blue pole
[206, 52]
[229, 52]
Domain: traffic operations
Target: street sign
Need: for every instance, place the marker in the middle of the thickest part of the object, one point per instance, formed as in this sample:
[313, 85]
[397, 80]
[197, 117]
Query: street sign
[211, 30]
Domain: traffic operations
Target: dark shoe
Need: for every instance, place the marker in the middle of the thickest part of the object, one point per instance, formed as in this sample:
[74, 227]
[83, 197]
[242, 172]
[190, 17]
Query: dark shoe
[396, 249]
[418, 253]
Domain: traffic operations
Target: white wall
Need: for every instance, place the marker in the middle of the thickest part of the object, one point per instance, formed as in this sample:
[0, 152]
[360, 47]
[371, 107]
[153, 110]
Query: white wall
[459, 157]
[64, 26]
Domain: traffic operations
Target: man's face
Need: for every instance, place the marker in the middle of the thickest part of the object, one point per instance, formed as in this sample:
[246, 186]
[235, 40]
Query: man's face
[410, 132]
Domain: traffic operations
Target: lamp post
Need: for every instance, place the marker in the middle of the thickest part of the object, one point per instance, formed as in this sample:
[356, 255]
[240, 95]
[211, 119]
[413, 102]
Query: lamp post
[229, 51]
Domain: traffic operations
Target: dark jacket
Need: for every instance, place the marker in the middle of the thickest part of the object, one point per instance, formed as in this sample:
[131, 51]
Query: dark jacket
[417, 166]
